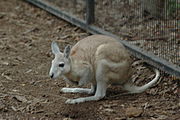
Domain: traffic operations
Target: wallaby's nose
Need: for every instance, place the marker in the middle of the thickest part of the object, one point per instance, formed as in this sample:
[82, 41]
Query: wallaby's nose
[52, 75]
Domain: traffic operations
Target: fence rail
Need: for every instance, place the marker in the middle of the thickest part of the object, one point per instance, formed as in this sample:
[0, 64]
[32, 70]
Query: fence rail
[87, 25]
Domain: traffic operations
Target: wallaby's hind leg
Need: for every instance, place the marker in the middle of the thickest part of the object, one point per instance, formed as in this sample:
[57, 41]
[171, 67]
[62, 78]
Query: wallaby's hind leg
[79, 90]
[100, 93]
[101, 87]
[101, 80]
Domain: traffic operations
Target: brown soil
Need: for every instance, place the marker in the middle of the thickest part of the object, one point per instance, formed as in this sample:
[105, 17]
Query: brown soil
[27, 92]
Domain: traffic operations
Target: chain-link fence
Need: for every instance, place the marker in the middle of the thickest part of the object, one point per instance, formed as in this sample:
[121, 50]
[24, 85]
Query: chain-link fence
[153, 25]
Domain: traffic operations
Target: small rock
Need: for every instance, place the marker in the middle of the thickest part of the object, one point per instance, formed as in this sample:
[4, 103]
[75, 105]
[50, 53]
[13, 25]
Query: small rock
[4, 63]
[120, 118]
[111, 105]
[67, 119]
[2, 15]
[13, 108]
[101, 107]
[133, 112]
[6, 75]
[28, 71]
[162, 117]
[14, 90]
[2, 106]
[107, 106]
[20, 98]
[18, 58]
[109, 110]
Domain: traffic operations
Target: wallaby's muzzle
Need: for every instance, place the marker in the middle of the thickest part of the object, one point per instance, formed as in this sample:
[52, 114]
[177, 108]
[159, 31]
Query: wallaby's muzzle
[52, 75]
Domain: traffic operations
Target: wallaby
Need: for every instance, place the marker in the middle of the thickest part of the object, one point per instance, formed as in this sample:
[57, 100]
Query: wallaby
[98, 59]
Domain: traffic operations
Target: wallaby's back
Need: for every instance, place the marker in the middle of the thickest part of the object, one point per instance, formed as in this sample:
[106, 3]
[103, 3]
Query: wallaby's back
[99, 47]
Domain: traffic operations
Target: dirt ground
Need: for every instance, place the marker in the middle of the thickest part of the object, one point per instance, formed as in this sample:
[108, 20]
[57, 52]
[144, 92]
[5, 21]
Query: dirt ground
[27, 92]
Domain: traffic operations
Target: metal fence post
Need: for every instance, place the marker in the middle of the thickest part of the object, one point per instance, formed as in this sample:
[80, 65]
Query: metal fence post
[90, 18]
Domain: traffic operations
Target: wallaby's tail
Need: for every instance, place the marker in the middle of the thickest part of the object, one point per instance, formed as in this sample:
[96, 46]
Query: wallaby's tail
[135, 89]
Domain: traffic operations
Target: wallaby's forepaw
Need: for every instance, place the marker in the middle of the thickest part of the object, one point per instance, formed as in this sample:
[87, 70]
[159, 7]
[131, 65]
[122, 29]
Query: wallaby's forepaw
[65, 90]
[81, 100]
[70, 101]
[77, 90]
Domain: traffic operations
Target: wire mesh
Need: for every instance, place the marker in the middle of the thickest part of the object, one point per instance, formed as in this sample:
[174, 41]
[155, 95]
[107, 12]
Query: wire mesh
[153, 25]
[73, 7]
[158, 32]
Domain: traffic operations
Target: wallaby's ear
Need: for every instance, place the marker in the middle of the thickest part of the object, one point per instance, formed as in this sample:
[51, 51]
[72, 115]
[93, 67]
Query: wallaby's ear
[67, 51]
[55, 48]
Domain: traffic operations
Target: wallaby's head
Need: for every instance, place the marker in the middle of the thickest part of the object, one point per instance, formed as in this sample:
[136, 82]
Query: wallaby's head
[61, 62]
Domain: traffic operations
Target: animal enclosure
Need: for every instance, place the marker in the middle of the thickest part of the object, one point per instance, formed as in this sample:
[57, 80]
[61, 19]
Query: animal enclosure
[154, 29]
[28, 92]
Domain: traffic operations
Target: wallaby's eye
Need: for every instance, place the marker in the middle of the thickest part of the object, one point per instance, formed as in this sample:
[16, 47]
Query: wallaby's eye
[61, 65]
